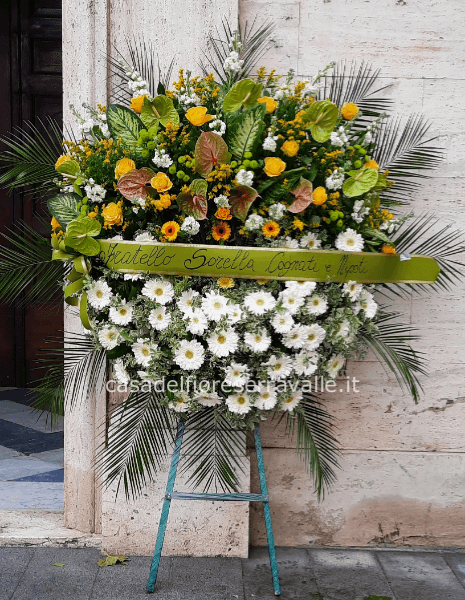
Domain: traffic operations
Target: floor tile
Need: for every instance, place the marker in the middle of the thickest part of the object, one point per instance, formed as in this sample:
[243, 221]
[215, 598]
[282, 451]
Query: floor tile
[51, 456]
[26, 440]
[8, 453]
[28, 494]
[7, 407]
[18, 395]
[14, 562]
[12, 469]
[56, 476]
[456, 561]
[33, 420]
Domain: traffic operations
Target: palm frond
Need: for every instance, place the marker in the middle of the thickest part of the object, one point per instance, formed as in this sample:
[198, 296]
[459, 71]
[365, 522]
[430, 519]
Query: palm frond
[31, 156]
[391, 345]
[26, 267]
[213, 451]
[140, 437]
[315, 442]
[404, 148]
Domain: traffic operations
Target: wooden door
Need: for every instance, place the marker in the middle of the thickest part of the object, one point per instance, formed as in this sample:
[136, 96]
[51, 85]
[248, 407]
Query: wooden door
[30, 89]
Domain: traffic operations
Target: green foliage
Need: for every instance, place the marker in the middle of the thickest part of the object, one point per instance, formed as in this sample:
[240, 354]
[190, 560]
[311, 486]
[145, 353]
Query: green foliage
[69, 167]
[81, 234]
[194, 201]
[159, 110]
[245, 130]
[64, 208]
[360, 182]
[321, 117]
[123, 124]
[243, 93]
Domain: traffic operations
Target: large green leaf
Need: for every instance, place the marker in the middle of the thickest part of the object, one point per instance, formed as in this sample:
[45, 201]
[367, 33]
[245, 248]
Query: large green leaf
[80, 236]
[245, 130]
[123, 124]
[360, 182]
[245, 92]
[64, 208]
[194, 201]
[321, 117]
[159, 110]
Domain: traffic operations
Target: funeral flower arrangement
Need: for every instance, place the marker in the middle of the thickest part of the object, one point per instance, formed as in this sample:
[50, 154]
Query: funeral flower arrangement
[230, 157]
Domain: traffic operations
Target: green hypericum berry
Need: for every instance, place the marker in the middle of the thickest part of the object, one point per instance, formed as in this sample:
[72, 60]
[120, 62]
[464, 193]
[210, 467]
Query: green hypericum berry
[362, 151]
[144, 153]
[349, 148]
[180, 174]
[334, 215]
[340, 223]
[186, 178]
[340, 213]
[182, 160]
[253, 164]
[357, 164]
[367, 158]
[151, 145]
[247, 154]
[152, 132]
[140, 142]
[172, 169]
[358, 147]
[143, 134]
[233, 164]
[246, 163]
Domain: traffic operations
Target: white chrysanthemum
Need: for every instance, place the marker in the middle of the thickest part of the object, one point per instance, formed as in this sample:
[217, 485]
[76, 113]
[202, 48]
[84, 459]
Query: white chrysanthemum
[349, 241]
[296, 338]
[223, 343]
[207, 398]
[236, 375]
[367, 303]
[253, 222]
[342, 329]
[145, 236]
[269, 143]
[303, 288]
[221, 201]
[352, 289]
[259, 303]
[99, 294]
[159, 318]
[240, 404]
[258, 342]
[291, 300]
[218, 126]
[189, 355]
[315, 335]
[122, 314]
[214, 305]
[279, 367]
[190, 226]
[267, 398]
[109, 337]
[234, 313]
[181, 403]
[245, 177]
[292, 400]
[335, 365]
[142, 351]
[311, 241]
[120, 373]
[132, 276]
[305, 363]
[289, 242]
[276, 211]
[316, 305]
[197, 322]
[116, 238]
[282, 322]
[186, 301]
[160, 290]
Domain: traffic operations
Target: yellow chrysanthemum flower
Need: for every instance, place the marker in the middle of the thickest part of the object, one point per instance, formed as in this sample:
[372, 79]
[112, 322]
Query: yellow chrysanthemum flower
[319, 196]
[170, 230]
[274, 166]
[349, 111]
[225, 282]
[290, 148]
[197, 115]
[136, 103]
[271, 104]
[124, 166]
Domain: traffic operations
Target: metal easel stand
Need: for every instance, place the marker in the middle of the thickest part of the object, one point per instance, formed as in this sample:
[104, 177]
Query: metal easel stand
[171, 495]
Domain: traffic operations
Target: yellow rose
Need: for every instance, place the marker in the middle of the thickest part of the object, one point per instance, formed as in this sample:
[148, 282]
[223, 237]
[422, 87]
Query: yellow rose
[349, 111]
[197, 115]
[319, 196]
[290, 148]
[271, 104]
[223, 214]
[388, 249]
[136, 103]
[63, 158]
[161, 183]
[371, 164]
[124, 166]
[112, 214]
[274, 166]
[55, 224]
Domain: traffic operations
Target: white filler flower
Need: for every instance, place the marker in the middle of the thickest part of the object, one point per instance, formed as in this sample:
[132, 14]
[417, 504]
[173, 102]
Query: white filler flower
[258, 342]
[349, 241]
[159, 319]
[223, 343]
[122, 314]
[99, 294]
[160, 290]
[239, 403]
[259, 303]
[189, 355]
[316, 305]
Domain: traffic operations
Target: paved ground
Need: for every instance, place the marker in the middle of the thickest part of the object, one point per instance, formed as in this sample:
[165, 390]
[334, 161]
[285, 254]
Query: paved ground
[306, 574]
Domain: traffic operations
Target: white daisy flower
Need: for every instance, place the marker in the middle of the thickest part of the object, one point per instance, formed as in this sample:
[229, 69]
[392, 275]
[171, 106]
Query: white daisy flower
[142, 351]
[291, 300]
[189, 355]
[223, 343]
[258, 342]
[186, 301]
[291, 401]
[99, 294]
[303, 288]
[120, 373]
[278, 367]
[180, 403]
[352, 289]
[214, 305]
[160, 290]
[282, 322]
[240, 403]
[197, 322]
[296, 338]
[349, 241]
[305, 363]
[122, 314]
[145, 236]
[316, 305]
[109, 337]
[367, 303]
[208, 398]
[335, 365]
[311, 241]
[342, 330]
[236, 375]
[159, 318]
[267, 398]
[315, 335]
[259, 303]
[234, 313]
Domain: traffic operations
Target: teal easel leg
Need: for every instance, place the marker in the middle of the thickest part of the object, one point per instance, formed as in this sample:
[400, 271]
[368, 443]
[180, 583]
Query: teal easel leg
[266, 510]
[165, 511]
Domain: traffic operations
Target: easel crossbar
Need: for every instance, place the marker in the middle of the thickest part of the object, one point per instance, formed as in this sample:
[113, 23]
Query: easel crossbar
[218, 497]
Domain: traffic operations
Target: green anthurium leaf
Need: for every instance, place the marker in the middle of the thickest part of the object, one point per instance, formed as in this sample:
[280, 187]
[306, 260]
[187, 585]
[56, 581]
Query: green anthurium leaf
[245, 92]
[69, 167]
[241, 199]
[360, 182]
[64, 208]
[379, 235]
[210, 150]
[245, 130]
[147, 115]
[321, 117]
[194, 201]
[80, 236]
[123, 124]
[159, 110]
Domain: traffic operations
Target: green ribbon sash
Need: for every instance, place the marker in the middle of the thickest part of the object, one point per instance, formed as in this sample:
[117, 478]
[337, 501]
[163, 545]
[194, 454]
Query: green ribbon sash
[266, 263]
